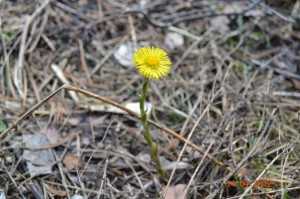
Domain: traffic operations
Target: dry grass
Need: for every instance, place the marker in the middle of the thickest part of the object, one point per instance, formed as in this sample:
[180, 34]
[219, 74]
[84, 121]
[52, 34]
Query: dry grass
[233, 93]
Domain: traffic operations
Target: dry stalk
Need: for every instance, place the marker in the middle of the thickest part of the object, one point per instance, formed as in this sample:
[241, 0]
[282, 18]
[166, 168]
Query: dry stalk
[115, 104]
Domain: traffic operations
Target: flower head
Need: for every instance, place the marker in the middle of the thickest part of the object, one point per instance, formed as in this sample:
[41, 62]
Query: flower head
[152, 62]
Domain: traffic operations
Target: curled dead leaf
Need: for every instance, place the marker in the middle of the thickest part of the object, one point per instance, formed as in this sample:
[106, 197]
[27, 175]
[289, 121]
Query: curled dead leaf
[72, 161]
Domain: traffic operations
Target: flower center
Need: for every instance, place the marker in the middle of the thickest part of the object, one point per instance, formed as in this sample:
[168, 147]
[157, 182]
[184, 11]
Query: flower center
[152, 61]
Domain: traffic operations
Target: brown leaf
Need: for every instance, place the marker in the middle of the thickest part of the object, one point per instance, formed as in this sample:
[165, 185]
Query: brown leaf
[72, 161]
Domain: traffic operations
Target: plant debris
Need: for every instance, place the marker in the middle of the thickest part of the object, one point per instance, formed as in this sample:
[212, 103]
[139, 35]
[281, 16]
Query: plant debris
[230, 102]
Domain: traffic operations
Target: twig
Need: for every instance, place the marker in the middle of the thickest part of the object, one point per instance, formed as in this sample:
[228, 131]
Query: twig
[113, 103]
[167, 130]
[29, 112]
[83, 64]
[18, 72]
[6, 68]
[39, 33]
[59, 73]
[63, 178]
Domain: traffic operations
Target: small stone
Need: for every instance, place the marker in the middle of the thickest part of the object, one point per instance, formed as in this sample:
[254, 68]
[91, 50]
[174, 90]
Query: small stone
[124, 54]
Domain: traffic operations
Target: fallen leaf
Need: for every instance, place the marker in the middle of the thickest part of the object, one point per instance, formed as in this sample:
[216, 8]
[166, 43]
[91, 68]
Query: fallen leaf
[72, 161]
[176, 192]
[39, 162]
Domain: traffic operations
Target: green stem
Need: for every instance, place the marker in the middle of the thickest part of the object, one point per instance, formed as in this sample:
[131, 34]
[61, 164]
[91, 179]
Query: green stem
[147, 134]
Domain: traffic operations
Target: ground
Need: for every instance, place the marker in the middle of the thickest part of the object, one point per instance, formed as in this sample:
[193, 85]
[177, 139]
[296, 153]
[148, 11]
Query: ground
[226, 119]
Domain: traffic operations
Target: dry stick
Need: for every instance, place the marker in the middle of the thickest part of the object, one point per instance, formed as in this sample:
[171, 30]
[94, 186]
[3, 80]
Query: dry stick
[7, 76]
[63, 178]
[113, 103]
[29, 111]
[132, 32]
[165, 129]
[60, 74]
[38, 36]
[83, 64]
[33, 84]
[18, 72]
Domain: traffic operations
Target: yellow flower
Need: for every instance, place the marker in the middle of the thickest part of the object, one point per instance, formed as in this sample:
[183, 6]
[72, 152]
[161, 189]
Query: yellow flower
[152, 62]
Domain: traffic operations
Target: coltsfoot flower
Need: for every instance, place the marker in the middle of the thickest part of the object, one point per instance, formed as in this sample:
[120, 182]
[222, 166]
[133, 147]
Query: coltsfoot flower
[152, 62]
